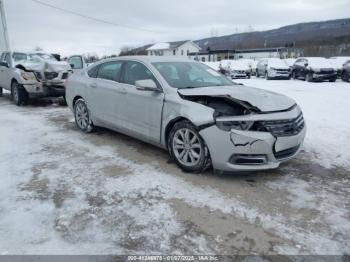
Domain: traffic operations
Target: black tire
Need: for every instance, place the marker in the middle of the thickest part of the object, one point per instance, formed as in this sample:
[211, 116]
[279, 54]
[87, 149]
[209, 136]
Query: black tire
[80, 111]
[64, 103]
[294, 75]
[18, 94]
[309, 78]
[203, 161]
[345, 77]
[332, 80]
[0, 91]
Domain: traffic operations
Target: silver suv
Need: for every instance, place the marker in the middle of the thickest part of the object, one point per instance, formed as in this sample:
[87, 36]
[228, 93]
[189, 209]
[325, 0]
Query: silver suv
[32, 75]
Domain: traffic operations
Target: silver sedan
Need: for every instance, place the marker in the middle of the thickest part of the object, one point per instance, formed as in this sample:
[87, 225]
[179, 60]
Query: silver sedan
[202, 118]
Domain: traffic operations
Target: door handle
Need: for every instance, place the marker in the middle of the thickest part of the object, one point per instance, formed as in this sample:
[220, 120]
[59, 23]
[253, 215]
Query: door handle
[94, 85]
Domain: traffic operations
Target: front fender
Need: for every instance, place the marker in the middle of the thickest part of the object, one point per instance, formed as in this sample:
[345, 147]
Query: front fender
[178, 108]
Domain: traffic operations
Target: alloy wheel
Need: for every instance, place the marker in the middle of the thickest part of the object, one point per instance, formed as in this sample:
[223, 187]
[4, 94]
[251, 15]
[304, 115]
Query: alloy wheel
[187, 147]
[82, 116]
[15, 94]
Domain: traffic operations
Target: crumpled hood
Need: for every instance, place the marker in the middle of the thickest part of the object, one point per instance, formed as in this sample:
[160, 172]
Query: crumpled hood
[51, 66]
[31, 66]
[265, 101]
[57, 66]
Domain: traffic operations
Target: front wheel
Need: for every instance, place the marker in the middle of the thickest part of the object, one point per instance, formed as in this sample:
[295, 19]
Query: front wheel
[309, 77]
[18, 94]
[82, 117]
[187, 148]
[345, 77]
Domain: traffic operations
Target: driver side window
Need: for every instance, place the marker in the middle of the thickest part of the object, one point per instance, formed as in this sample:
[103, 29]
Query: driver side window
[135, 71]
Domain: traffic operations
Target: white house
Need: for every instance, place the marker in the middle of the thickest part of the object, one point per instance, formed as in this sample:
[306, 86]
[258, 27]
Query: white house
[179, 48]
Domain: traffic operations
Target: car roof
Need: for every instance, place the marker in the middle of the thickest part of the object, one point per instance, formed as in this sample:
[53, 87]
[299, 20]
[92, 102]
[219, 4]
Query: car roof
[149, 59]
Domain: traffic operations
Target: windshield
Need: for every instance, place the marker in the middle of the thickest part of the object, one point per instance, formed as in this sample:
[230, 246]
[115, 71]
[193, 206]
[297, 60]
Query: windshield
[190, 75]
[20, 57]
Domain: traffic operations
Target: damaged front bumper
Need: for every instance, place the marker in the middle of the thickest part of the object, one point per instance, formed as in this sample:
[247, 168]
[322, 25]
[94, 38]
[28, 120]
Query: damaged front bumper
[238, 150]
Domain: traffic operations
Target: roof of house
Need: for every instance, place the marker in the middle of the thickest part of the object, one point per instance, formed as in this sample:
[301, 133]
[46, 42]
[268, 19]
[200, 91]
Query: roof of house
[168, 45]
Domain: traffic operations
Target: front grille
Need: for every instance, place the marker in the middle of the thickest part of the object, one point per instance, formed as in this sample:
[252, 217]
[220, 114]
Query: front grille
[281, 128]
[286, 153]
[283, 70]
[51, 75]
[64, 75]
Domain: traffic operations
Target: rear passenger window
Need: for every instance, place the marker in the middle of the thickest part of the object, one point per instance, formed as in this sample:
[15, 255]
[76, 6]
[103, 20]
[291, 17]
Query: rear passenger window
[110, 71]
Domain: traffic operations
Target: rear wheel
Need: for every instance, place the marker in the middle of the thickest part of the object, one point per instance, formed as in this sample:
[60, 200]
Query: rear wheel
[187, 148]
[18, 94]
[309, 77]
[82, 116]
[345, 77]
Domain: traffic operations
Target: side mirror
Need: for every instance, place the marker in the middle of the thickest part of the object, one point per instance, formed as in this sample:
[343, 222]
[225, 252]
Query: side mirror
[4, 64]
[146, 85]
[72, 66]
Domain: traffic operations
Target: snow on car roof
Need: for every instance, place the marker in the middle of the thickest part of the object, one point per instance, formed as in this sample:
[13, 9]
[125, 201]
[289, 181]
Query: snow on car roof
[277, 62]
[319, 62]
[339, 61]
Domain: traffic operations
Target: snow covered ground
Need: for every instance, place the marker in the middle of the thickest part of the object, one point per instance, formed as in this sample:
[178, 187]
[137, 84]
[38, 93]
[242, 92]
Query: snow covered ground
[64, 192]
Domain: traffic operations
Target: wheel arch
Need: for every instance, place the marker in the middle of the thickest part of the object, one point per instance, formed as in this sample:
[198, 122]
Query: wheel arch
[76, 98]
[170, 126]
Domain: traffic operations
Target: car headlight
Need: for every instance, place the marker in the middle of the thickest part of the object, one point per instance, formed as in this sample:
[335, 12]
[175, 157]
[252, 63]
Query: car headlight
[28, 75]
[237, 125]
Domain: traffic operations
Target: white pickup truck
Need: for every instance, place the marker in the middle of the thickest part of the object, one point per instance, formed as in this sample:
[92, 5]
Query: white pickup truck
[32, 75]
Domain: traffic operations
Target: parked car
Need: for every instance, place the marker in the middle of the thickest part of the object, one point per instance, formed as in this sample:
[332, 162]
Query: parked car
[345, 72]
[198, 115]
[338, 62]
[314, 69]
[240, 69]
[32, 75]
[273, 68]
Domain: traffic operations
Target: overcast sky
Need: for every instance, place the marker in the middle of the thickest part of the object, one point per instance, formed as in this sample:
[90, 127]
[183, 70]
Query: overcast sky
[31, 24]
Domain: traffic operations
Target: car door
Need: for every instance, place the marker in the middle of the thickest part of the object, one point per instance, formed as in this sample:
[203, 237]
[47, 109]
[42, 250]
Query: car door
[298, 65]
[77, 63]
[2, 58]
[259, 67]
[105, 94]
[142, 111]
[6, 72]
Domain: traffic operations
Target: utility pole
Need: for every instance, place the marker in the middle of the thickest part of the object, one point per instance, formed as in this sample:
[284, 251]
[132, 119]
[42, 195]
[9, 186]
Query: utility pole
[4, 39]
